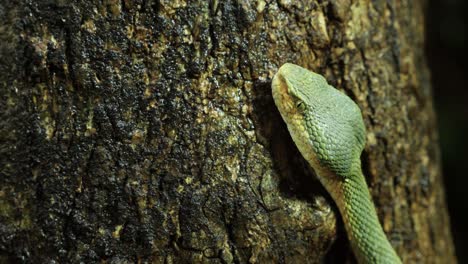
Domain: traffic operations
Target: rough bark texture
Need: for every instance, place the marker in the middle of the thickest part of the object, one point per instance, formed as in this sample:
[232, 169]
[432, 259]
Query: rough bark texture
[144, 131]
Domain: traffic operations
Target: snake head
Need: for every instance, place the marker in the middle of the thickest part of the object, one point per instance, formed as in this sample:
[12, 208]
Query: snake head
[325, 124]
[289, 87]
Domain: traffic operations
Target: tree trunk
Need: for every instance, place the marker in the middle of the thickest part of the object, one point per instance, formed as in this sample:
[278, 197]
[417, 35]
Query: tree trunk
[145, 131]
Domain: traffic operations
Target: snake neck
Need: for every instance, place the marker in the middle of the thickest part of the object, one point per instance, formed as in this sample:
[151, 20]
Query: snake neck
[366, 236]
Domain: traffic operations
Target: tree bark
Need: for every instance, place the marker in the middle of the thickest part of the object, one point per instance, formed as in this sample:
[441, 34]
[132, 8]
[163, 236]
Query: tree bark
[145, 131]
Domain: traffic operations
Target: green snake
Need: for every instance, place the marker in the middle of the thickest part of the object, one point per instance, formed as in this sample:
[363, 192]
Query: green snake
[328, 129]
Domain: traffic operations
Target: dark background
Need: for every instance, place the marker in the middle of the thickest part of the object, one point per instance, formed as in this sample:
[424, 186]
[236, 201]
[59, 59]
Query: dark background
[446, 38]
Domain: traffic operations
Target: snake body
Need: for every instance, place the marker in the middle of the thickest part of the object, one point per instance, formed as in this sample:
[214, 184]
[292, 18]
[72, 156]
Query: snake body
[328, 129]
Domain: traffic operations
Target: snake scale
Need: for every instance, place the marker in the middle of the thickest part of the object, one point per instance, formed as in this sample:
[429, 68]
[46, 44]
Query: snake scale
[328, 129]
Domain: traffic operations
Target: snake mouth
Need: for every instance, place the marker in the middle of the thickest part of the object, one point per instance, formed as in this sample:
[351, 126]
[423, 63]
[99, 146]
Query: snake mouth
[281, 95]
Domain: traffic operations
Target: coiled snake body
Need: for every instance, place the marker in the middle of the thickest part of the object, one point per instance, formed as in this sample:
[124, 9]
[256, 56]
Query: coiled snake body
[328, 129]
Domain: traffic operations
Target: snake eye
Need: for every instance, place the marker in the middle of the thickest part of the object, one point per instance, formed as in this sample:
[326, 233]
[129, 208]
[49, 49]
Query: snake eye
[300, 106]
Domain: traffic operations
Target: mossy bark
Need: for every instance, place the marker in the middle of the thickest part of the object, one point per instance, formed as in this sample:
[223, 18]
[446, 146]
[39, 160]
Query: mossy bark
[145, 131]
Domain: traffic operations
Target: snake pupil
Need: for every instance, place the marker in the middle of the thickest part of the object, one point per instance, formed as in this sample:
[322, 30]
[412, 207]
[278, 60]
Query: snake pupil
[300, 105]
